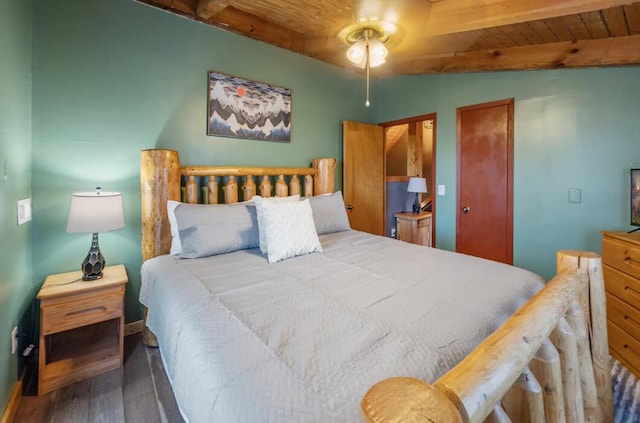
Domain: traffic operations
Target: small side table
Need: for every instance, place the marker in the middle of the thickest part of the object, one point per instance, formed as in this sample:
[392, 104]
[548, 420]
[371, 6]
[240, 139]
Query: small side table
[81, 327]
[414, 228]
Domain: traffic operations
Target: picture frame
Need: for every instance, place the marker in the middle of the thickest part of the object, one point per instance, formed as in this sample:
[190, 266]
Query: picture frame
[241, 108]
[635, 197]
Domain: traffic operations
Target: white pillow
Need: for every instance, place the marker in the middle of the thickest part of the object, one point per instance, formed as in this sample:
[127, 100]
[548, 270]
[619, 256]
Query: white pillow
[288, 229]
[176, 246]
[263, 200]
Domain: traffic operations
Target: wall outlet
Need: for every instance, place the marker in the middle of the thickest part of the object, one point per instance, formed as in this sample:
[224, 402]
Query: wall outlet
[393, 232]
[14, 340]
[440, 189]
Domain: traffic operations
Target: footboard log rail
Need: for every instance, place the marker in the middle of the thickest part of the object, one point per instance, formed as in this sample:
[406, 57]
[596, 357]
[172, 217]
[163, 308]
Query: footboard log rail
[549, 362]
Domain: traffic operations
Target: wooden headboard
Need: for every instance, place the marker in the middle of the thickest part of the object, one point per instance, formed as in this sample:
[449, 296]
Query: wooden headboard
[163, 178]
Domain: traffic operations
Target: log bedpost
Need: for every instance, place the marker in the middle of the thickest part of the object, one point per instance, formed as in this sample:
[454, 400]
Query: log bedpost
[409, 400]
[159, 182]
[590, 264]
[325, 180]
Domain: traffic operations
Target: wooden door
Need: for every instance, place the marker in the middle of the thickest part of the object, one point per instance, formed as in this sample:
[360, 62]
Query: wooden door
[485, 181]
[363, 176]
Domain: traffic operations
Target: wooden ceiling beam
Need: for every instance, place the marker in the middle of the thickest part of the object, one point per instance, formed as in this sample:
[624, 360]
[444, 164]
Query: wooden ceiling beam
[451, 16]
[616, 51]
[227, 17]
[207, 8]
[179, 7]
[247, 24]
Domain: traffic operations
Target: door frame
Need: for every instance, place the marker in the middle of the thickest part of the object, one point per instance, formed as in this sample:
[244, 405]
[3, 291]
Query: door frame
[414, 119]
[509, 102]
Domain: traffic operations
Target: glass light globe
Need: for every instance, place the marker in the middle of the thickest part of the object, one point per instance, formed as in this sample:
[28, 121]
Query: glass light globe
[357, 53]
[378, 53]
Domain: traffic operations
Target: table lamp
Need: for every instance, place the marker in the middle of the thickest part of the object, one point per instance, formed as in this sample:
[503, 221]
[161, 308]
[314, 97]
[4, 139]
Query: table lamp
[95, 212]
[417, 185]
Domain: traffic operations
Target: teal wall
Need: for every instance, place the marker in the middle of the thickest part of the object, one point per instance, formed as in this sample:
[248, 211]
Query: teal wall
[573, 129]
[114, 77]
[111, 78]
[16, 288]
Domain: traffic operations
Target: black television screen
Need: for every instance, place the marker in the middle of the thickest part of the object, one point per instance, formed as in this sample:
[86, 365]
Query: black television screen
[635, 197]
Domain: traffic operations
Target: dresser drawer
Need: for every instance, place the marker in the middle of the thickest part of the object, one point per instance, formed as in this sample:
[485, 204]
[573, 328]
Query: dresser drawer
[625, 346]
[80, 310]
[621, 255]
[622, 286]
[623, 315]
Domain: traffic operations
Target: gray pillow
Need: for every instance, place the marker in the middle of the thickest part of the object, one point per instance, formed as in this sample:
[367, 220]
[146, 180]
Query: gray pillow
[207, 230]
[329, 213]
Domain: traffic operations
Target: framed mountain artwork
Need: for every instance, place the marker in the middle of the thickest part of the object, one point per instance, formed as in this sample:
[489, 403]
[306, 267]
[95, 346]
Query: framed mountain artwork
[240, 108]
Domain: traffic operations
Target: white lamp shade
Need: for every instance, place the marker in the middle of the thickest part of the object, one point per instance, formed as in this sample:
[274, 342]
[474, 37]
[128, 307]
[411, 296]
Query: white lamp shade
[417, 185]
[94, 212]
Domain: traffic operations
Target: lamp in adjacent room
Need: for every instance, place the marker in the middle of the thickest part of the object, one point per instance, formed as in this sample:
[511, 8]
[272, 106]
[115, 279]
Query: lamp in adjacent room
[419, 186]
[95, 212]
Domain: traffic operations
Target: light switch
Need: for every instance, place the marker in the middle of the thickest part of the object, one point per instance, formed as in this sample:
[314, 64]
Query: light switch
[440, 189]
[575, 195]
[24, 211]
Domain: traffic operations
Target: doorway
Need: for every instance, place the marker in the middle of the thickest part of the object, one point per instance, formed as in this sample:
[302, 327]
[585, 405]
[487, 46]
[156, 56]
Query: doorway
[410, 150]
[484, 216]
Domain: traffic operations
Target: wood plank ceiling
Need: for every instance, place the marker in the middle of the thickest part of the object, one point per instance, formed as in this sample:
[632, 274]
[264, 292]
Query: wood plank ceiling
[439, 36]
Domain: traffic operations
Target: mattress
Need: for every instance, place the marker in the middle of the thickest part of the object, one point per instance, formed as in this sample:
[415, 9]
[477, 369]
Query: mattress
[302, 340]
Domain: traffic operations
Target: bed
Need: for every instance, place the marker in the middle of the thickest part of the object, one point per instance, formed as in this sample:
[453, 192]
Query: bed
[370, 328]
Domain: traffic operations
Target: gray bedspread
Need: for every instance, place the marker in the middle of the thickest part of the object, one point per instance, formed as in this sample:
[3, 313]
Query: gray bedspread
[302, 340]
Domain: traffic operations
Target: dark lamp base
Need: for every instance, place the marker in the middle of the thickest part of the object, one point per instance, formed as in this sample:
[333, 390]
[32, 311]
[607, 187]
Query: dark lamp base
[416, 205]
[94, 262]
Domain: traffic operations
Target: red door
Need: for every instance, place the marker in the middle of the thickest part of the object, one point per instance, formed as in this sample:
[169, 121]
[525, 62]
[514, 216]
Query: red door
[485, 181]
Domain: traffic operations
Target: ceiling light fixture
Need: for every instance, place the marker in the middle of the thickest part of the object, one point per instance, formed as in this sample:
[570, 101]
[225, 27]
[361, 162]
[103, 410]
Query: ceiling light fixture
[367, 50]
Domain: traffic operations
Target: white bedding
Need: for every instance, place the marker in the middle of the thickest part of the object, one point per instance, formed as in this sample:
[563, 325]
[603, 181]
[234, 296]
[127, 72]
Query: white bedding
[302, 340]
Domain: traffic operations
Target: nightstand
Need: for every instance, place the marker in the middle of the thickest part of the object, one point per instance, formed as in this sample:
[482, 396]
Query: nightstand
[414, 228]
[81, 327]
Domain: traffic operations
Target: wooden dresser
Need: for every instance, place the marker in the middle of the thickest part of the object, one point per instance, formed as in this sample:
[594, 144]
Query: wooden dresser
[621, 267]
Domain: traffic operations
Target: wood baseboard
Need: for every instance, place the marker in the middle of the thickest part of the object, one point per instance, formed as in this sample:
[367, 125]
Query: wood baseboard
[11, 410]
[131, 328]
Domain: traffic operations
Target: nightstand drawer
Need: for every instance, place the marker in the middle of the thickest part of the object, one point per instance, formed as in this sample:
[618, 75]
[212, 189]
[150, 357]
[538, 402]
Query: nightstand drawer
[621, 255]
[80, 310]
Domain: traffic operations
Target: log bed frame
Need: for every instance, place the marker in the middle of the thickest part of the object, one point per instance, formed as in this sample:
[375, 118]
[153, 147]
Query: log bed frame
[549, 362]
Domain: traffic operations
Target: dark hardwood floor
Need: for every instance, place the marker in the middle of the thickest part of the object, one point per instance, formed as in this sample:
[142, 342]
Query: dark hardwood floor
[139, 392]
